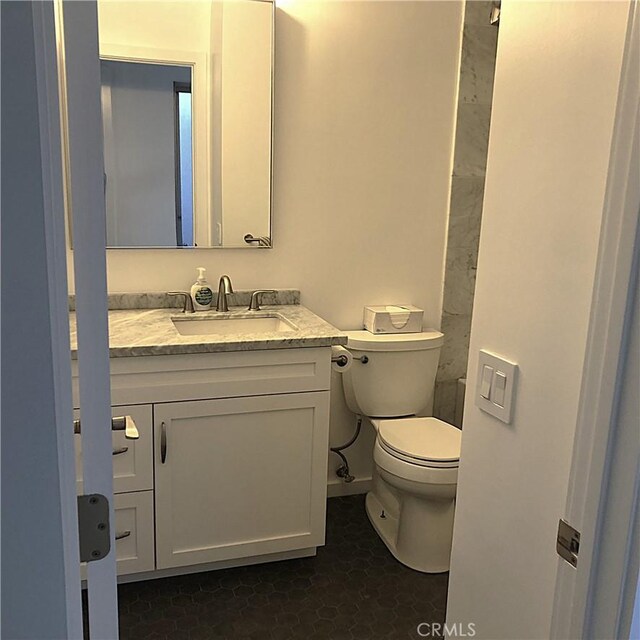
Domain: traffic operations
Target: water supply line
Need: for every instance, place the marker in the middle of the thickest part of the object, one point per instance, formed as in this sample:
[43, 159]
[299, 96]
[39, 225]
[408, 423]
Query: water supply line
[343, 470]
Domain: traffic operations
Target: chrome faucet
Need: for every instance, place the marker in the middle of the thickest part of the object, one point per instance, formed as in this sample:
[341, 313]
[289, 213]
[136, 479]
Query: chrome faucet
[224, 289]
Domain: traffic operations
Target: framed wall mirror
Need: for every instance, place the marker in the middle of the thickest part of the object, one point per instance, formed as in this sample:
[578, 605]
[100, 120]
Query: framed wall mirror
[187, 100]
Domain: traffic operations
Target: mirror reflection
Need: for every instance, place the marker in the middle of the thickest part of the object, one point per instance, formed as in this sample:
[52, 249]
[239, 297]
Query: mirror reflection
[187, 112]
[146, 114]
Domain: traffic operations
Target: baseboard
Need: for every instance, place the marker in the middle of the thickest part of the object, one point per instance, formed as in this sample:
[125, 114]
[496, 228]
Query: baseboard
[213, 566]
[337, 487]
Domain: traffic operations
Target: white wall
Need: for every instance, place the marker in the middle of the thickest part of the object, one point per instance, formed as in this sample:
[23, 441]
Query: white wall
[554, 101]
[365, 97]
[183, 26]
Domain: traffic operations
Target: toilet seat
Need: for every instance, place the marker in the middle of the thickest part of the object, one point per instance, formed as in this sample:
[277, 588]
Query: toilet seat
[425, 442]
[409, 470]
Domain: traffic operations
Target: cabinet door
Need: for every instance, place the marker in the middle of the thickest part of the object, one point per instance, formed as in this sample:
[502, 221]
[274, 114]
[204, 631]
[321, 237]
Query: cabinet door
[132, 459]
[240, 477]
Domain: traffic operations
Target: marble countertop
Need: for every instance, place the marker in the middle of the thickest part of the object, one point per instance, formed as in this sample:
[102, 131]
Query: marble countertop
[151, 332]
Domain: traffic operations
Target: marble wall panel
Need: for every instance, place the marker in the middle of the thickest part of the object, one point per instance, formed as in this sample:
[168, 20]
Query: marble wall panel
[477, 66]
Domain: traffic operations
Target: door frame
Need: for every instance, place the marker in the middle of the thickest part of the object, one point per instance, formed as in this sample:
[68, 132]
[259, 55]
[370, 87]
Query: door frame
[82, 99]
[80, 63]
[56, 249]
[597, 428]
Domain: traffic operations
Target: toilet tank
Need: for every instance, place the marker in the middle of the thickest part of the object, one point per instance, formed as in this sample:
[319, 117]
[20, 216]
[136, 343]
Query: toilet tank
[399, 375]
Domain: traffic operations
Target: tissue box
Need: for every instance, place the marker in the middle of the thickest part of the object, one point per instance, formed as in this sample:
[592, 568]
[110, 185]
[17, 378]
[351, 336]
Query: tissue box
[393, 319]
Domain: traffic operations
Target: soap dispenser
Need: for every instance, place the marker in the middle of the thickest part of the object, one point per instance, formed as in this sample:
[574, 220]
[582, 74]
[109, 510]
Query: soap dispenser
[201, 293]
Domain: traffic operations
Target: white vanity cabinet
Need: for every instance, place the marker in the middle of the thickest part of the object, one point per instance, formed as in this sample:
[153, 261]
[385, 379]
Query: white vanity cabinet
[231, 463]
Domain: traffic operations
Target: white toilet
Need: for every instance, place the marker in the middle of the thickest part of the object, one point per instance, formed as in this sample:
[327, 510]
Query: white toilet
[411, 504]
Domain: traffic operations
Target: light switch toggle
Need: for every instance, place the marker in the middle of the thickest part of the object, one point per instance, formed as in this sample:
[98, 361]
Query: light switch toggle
[499, 387]
[495, 385]
[487, 378]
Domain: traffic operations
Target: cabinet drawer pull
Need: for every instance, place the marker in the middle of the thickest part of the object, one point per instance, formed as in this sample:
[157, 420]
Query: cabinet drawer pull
[121, 423]
[122, 534]
[119, 450]
[163, 443]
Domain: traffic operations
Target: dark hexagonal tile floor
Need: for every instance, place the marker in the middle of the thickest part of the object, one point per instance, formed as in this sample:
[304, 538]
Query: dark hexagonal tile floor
[352, 590]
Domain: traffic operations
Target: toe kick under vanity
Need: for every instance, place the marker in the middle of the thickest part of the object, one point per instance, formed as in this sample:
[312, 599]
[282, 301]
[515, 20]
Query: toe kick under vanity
[231, 464]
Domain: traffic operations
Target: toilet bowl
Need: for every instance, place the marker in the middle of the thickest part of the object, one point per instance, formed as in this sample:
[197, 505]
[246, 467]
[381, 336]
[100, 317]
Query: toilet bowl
[413, 513]
[412, 501]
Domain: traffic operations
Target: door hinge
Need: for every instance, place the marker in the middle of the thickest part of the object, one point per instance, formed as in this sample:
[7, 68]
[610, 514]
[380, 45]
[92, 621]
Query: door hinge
[93, 527]
[568, 543]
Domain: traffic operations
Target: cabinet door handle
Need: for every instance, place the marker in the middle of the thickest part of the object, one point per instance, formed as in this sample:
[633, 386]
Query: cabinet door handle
[122, 534]
[163, 443]
[117, 451]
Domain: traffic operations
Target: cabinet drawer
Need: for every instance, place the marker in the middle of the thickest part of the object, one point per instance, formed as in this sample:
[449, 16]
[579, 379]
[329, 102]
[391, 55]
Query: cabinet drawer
[132, 459]
[135, 546]
[151, 379]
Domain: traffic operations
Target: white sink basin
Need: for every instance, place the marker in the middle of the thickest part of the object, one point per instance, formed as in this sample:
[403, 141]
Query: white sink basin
[226, 326]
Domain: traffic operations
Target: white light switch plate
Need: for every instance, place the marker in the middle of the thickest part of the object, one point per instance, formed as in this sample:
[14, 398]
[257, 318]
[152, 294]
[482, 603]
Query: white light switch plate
[501, 397]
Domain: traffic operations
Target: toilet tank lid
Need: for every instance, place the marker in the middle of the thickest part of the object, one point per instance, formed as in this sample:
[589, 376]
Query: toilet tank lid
[367, 341]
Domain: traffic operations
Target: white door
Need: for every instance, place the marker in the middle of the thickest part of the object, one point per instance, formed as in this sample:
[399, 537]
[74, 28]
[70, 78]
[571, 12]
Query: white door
[80, 97]
[553, 277]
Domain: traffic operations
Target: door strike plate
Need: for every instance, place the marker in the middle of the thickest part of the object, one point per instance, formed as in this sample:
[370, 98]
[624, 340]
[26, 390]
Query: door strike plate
[568, 543]
[93, 527]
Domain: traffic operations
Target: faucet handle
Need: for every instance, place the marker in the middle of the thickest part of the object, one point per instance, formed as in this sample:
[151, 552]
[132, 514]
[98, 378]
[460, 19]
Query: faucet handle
[254, 305]
[188, 302]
